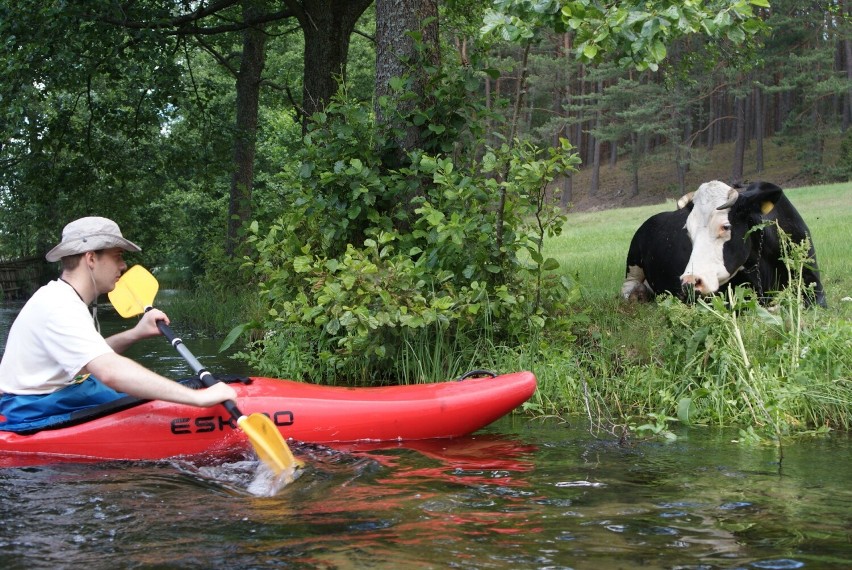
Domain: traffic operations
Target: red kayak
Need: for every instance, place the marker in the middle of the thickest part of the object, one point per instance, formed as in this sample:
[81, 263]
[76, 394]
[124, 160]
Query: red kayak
[303, 412]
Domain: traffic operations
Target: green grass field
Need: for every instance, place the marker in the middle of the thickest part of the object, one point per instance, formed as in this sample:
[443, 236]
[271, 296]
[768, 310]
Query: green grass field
[593, 245]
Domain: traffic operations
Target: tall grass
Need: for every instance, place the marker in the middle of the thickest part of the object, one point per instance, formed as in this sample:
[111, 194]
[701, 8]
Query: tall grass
[719, 363]
[209, 312]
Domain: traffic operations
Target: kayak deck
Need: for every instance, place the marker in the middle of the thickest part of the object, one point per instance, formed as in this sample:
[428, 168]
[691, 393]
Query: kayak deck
[307, 413]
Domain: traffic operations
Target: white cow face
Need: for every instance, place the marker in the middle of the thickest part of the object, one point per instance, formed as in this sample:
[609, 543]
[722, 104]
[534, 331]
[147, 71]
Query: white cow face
[709, 229]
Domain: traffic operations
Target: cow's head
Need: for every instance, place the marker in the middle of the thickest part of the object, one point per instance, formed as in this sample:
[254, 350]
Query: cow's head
[718, 227]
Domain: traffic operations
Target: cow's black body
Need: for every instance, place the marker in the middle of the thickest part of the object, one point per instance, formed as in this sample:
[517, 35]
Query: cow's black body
[661, 247]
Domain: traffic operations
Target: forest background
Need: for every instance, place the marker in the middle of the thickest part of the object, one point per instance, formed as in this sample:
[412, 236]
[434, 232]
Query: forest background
[381, 179]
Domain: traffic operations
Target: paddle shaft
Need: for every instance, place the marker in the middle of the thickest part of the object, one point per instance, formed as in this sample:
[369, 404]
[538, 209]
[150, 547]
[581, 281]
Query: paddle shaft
[205, 375]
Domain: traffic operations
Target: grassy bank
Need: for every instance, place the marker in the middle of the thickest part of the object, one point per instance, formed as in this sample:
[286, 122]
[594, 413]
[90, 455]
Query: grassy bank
[777, 372]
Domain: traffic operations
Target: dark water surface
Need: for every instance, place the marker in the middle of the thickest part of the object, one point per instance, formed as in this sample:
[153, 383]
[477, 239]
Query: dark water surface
[521, 494]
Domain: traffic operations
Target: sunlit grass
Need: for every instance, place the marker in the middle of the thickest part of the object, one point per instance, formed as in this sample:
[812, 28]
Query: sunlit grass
[827, 209]
[593, 245]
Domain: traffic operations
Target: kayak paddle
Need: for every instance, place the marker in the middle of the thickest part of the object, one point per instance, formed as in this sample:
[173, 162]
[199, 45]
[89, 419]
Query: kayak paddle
[134, 294]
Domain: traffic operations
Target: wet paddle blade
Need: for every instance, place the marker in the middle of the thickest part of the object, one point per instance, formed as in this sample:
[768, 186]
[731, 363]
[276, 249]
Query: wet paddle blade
[268, 443]
[134, 292]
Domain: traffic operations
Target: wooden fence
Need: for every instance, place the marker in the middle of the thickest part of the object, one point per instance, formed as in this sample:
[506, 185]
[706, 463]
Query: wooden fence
[19, 278]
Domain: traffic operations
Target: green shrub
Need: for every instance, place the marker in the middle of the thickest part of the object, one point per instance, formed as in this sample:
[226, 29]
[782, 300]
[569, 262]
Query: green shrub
[373, 274]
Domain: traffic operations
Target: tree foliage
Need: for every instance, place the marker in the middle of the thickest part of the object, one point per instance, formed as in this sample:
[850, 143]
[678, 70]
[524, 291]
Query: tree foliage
[82, 106]
[120, 74]
[365, 240]
[633, 33]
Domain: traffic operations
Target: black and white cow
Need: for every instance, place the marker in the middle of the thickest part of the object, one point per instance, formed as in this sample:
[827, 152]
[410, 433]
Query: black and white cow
[707, 244]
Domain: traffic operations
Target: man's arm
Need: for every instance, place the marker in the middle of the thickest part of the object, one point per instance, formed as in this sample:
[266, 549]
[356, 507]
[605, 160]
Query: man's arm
[145, 328]
[127, 376]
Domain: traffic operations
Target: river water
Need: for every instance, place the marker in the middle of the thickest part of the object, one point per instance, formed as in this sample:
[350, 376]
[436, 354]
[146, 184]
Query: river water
[523, 493]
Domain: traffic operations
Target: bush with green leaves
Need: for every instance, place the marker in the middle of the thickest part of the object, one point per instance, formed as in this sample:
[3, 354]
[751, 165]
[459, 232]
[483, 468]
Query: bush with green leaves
[373, 274]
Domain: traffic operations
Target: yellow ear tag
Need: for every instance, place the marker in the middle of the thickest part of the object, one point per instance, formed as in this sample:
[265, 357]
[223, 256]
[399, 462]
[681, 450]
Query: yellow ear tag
[767, 207]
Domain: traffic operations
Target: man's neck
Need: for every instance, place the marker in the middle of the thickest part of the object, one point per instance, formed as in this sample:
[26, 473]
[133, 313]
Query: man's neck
[81, 282]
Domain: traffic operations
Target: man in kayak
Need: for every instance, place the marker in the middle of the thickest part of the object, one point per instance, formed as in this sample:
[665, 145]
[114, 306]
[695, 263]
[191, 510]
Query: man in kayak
[56, 361]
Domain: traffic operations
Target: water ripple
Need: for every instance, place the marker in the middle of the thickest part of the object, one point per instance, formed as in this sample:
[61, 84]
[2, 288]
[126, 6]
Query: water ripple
[579, 484]
[778, 564]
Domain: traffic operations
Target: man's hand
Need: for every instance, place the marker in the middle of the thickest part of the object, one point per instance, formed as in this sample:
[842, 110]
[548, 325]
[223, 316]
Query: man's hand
[147, 325]
[145, 328]
[215, 394]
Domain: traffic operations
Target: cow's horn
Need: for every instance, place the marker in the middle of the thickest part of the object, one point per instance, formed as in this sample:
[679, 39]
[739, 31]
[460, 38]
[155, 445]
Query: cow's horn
[684, 200]
[732, 197]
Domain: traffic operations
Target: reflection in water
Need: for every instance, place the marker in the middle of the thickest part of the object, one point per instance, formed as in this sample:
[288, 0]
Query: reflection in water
[525, 495]
[522, 494]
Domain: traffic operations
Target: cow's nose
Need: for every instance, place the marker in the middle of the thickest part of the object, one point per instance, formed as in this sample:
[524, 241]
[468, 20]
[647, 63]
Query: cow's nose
[692, 284]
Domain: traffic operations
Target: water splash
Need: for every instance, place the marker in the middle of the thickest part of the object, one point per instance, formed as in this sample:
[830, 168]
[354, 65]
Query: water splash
[266, 483]
[245, 476]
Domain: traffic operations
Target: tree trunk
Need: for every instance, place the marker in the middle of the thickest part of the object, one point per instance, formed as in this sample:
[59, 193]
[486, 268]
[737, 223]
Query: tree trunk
[683, 156]
[634, 186]
[327, 26]
[596, 152]
[819, 137]
[748, 121]
[520, 92]
[594, 185]
[739, 141]
[567, 192]
[245, 137]
[579, 132]
[559, 93]
[398, 55]
[519, 96]
[635, 154]
[847, 107]
[712, 115]
[759, 127]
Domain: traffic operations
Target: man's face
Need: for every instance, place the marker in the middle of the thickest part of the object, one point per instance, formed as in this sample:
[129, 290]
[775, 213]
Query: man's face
[109, 265]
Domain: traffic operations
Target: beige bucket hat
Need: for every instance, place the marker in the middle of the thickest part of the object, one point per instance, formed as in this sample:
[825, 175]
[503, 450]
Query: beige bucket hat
[90, 234]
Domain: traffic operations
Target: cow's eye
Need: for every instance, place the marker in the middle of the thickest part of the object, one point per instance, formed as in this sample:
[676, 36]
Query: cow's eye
[726, 227]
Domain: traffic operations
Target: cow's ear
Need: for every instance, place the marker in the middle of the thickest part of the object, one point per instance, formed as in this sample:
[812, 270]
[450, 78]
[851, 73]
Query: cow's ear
[760, 196]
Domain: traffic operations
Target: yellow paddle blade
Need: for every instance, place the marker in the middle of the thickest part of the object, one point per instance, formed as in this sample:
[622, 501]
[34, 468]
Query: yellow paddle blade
[268, 443]
[134, 292]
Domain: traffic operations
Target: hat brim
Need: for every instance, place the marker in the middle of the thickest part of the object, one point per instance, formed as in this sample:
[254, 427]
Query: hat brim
[95, 243]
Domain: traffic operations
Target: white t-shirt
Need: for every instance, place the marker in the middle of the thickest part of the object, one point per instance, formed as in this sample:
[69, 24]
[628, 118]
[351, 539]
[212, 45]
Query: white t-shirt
[51, 340]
